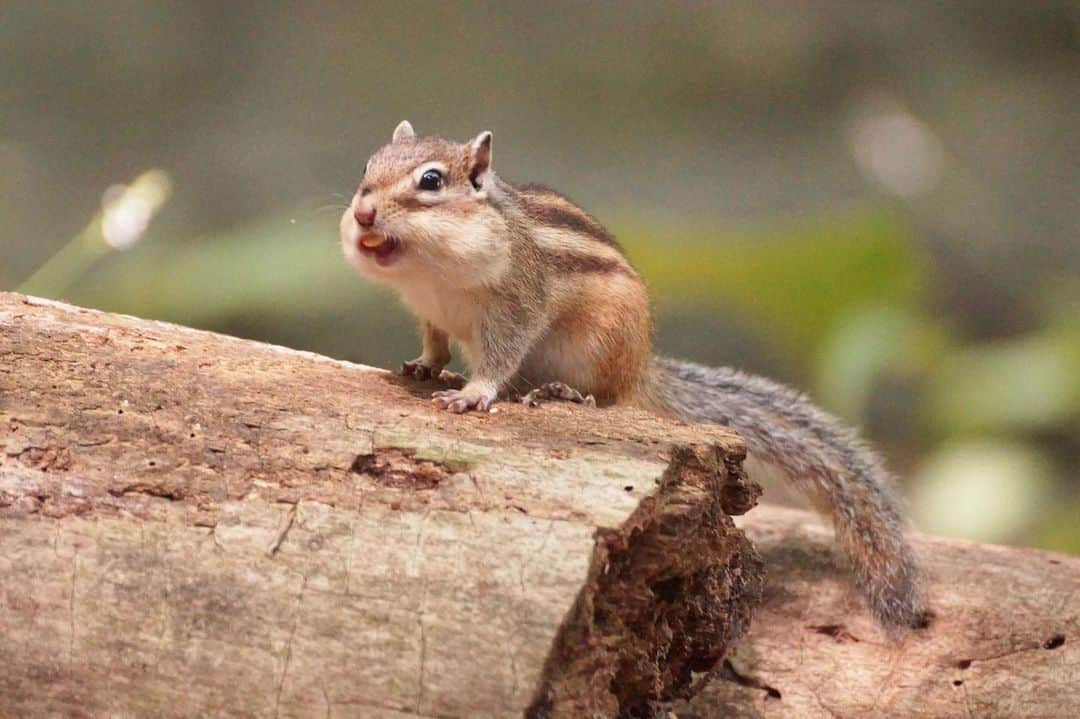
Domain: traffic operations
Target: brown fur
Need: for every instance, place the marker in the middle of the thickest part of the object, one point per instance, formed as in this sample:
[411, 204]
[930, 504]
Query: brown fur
[391, 161]
[535, 290]
[611, 314]
[545, 206]
[582, 262]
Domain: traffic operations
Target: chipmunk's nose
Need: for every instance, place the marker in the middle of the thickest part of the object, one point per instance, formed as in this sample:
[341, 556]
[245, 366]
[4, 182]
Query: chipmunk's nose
[364, 218]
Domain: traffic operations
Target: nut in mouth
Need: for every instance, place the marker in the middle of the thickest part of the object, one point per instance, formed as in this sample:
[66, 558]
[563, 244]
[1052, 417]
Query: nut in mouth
[383, 248]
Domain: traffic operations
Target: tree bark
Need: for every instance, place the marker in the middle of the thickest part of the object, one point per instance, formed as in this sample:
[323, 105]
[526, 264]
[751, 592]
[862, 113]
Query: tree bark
[195, 525]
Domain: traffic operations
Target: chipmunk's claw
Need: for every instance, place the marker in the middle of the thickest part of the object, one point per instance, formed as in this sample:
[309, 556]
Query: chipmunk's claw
[463, 400]
[556, 391]
[452, 379]
[418, 369]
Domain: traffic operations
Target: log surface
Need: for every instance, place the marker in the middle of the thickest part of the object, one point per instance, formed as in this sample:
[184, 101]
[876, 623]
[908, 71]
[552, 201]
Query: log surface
[194, 525]
[1004, 642]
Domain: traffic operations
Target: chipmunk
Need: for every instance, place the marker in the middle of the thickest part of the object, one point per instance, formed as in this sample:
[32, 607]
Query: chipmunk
[538, 294]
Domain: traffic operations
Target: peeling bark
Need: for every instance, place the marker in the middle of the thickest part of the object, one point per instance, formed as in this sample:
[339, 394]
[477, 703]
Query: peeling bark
[668, 595]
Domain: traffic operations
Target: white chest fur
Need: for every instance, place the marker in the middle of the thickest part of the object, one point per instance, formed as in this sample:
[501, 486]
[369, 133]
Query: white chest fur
[456, 311]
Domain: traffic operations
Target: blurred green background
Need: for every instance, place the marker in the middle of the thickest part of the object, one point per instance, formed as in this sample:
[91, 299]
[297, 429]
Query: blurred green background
[875, 201]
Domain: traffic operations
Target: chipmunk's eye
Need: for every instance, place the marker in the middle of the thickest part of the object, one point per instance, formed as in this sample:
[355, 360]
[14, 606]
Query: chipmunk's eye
[431, 180]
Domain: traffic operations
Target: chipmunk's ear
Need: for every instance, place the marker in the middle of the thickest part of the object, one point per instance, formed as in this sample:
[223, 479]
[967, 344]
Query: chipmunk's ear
[403, 131]
[479, 158]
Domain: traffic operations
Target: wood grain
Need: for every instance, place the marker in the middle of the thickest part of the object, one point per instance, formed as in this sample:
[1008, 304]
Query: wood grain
[196, 525]
[192, 524]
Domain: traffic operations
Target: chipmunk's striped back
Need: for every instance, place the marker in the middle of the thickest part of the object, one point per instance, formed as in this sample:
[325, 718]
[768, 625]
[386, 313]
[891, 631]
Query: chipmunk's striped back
[568, 238]
[546, 207]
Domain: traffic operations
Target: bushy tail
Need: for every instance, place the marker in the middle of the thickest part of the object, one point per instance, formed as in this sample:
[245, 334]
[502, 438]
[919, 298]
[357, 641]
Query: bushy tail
[825, 461]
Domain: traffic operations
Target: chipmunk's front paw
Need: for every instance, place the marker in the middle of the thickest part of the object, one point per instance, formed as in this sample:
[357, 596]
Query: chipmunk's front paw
[462, 400]
[419, 369]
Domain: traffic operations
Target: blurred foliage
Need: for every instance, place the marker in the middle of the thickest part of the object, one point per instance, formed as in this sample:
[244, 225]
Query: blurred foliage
[125, 216]
[870, 342]
[792, 281]
[282, 267]
[874, 201]
[1025, 384]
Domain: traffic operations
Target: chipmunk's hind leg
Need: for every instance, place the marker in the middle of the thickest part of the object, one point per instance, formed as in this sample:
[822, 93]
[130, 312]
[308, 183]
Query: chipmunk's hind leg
[556, 391]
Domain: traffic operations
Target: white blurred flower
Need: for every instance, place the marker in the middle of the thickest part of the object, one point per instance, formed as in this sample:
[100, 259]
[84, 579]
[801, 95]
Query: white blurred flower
[894, 148]
[128, 209]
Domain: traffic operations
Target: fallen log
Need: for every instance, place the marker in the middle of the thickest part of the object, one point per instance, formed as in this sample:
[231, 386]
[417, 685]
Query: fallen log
[195, 525]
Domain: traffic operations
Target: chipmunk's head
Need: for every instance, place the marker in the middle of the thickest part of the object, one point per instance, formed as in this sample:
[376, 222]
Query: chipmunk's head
[423, 209]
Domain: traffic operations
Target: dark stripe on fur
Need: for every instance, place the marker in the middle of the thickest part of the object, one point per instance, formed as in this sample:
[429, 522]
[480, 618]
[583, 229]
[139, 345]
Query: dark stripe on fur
[582, 263]
[409, 202]
[456, 207]
[537, 203]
